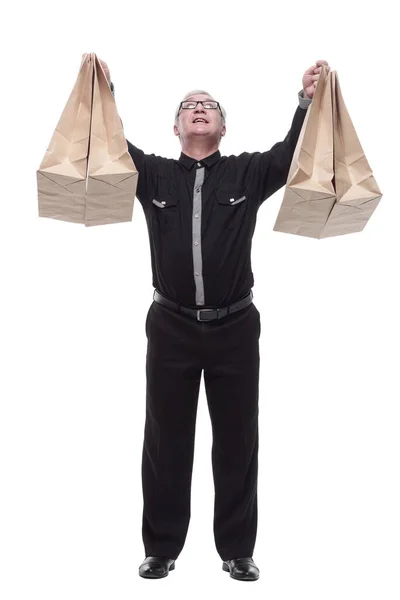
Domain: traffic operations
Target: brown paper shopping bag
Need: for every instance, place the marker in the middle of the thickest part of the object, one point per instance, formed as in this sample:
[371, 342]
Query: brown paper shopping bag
[87, 174]
[329, 157]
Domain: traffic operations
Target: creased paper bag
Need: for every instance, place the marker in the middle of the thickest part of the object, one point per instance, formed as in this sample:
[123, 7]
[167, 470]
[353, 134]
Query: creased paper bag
[330, 188]
[87, 174]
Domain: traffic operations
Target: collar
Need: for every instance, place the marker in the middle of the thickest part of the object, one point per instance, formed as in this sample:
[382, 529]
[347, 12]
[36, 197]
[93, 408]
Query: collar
[188, 161]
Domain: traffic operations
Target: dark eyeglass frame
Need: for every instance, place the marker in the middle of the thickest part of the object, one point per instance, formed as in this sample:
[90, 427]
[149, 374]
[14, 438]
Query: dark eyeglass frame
[181, 107]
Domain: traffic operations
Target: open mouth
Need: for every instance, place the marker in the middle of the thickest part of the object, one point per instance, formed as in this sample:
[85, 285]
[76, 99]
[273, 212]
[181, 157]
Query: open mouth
[199, 120]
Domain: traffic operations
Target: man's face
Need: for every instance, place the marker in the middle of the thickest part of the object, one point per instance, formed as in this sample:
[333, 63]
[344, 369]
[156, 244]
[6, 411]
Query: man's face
[200, 121]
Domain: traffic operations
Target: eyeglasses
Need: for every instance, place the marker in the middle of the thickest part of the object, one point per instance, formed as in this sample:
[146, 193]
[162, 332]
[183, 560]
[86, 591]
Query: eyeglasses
[191, 104]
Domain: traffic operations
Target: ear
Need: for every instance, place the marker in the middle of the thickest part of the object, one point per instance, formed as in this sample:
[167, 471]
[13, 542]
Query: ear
[223, 131]
[176, 130]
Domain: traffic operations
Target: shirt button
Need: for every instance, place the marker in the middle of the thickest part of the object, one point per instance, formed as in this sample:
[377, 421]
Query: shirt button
[199, 164]
[197, 190]
[196, 273]
[196, 216]
[196, 243]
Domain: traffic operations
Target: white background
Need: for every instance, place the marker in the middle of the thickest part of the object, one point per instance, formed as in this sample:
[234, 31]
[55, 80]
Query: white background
[74, 302]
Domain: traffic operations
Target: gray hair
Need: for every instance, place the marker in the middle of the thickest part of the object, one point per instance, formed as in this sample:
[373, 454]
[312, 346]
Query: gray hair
[192, 93]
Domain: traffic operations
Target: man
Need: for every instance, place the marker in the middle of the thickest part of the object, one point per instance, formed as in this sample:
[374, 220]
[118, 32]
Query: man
[201, 214]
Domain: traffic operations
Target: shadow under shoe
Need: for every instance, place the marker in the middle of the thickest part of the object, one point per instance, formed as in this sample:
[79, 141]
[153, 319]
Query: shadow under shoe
[155, 567]
[243, 569]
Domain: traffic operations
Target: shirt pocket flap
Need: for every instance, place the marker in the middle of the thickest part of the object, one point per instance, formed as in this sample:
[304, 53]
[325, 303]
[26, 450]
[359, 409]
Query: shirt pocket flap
[165, 200]
[230, 197]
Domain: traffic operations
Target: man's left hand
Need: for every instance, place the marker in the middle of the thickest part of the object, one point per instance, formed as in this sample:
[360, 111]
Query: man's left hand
[311, 76]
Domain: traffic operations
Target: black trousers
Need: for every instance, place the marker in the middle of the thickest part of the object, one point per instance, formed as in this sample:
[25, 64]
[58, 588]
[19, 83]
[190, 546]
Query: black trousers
[179, 348]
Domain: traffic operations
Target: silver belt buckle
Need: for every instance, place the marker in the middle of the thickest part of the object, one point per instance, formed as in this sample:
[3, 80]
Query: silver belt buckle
[205, 310]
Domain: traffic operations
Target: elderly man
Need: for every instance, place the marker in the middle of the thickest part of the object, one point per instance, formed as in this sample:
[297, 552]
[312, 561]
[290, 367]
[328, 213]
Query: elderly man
[201, 213]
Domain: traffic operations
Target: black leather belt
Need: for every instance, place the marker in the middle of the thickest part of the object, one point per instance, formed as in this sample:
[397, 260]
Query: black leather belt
[204, 314]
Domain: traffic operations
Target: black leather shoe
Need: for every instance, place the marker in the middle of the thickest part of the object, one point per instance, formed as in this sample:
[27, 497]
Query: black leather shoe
[155, 567]
[244, 569]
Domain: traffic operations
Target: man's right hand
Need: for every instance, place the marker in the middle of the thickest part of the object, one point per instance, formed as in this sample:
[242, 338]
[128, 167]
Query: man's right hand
[105, 69]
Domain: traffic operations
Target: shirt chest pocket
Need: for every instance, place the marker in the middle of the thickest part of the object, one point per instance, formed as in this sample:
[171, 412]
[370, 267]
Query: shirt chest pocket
[231, 207]
[165, 211]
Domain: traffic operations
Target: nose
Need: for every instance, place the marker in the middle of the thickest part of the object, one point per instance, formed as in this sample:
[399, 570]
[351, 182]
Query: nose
[200, 110]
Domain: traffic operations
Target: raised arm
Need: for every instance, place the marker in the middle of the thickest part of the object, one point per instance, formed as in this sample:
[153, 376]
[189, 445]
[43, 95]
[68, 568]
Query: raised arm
[269, 170]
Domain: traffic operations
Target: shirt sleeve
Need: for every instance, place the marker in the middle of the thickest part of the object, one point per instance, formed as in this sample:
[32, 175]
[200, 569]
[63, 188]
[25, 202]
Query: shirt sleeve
[146, 165]
[268, 171]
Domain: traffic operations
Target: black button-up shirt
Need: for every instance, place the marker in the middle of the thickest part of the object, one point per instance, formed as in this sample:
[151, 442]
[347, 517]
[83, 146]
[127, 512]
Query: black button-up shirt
[201, 217]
